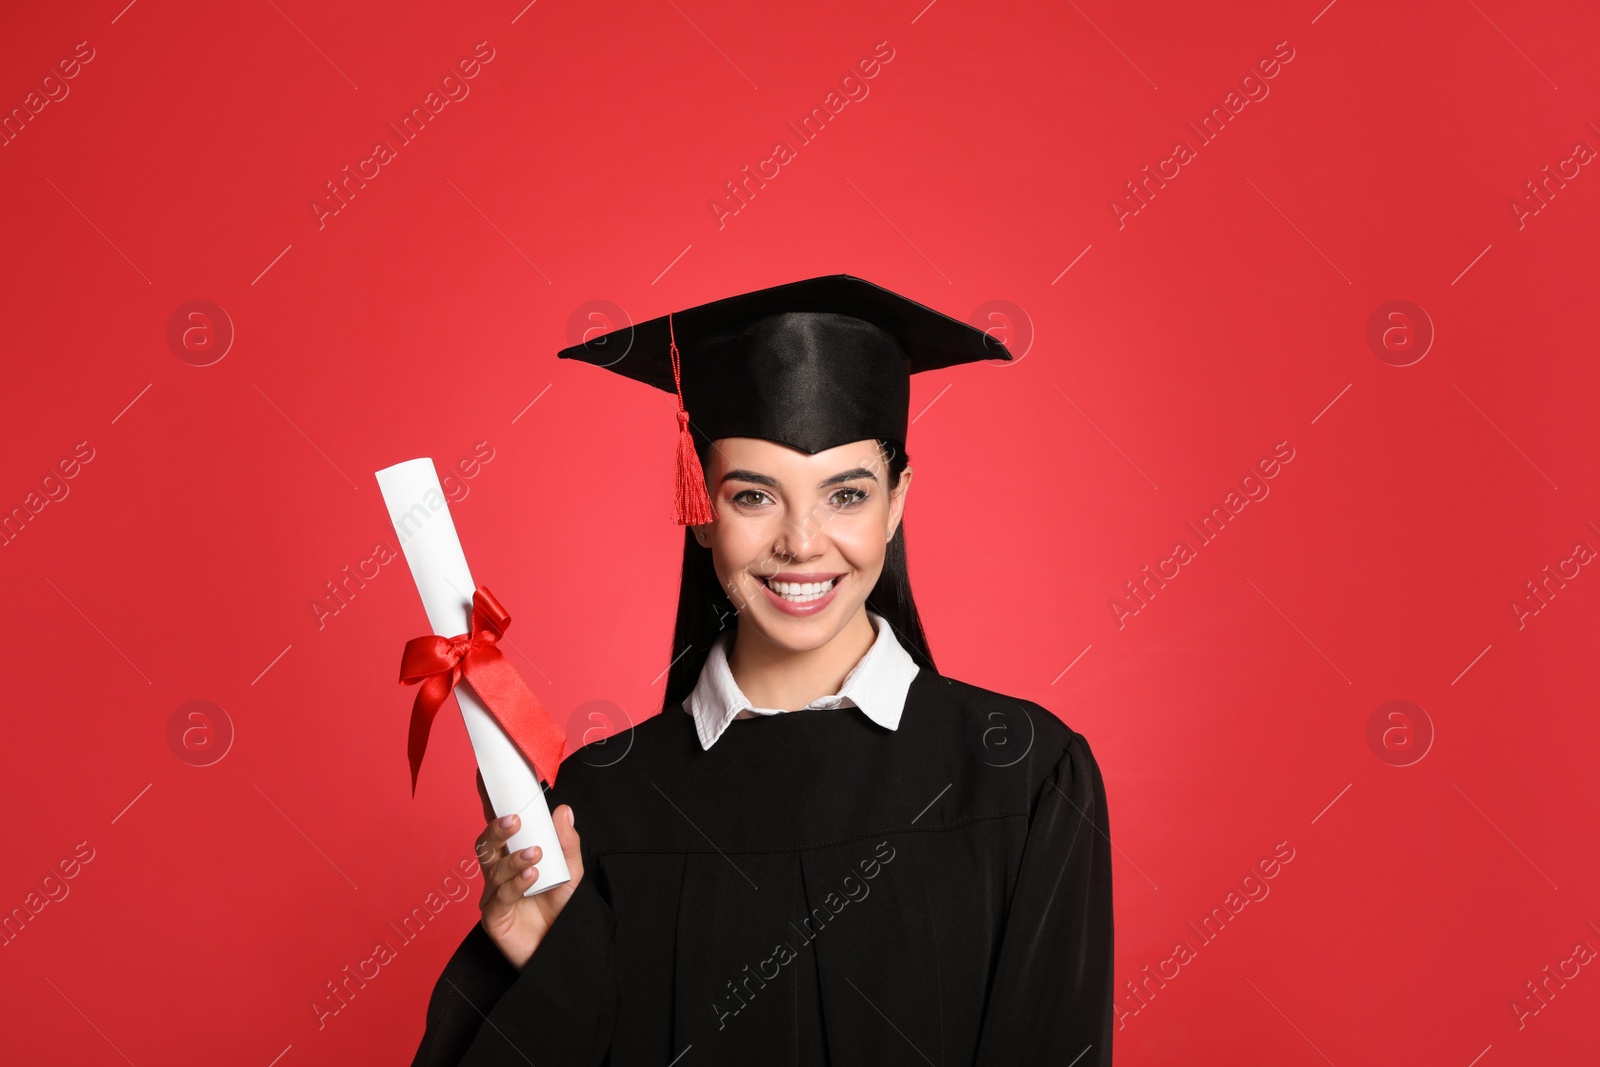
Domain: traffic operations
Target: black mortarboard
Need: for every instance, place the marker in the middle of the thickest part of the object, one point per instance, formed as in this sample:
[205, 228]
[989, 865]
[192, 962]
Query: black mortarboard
[813, 364]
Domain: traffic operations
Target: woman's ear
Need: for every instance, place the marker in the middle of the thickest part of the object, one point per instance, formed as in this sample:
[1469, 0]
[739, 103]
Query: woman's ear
[702, 534]
[897, 502]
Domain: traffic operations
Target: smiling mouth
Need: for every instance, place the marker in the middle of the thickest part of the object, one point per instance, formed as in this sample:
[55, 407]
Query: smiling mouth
[802, 592]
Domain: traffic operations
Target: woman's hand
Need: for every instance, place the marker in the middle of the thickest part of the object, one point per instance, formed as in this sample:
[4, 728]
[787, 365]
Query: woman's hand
[514, 922]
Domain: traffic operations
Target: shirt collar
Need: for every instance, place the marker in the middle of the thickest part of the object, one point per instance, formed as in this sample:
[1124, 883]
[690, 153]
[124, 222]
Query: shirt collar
[877, 685]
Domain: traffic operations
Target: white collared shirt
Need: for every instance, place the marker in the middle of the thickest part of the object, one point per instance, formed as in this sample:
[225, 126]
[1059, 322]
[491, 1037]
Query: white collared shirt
[877, 685]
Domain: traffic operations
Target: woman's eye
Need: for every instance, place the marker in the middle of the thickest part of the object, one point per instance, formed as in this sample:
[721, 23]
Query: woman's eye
[749, 498]
[844, 498]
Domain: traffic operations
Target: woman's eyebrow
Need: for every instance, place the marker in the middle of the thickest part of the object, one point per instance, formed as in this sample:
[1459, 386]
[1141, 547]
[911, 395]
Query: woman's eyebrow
[750, 476]
[848, 476]
[854, 474]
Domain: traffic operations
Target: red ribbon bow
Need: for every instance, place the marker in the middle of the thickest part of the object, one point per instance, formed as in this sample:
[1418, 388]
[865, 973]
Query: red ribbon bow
[439, 663]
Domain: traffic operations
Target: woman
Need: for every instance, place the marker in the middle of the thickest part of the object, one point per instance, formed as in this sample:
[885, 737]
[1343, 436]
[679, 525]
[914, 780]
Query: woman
[821, 851]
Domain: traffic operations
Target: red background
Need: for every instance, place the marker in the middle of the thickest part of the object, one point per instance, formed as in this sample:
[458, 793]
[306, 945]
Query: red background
[1229, 314]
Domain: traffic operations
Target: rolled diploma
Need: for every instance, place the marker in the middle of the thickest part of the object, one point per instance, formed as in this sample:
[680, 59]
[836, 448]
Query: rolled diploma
[428, 538]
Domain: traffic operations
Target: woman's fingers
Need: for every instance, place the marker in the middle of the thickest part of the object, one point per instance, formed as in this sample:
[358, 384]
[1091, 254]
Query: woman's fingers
[508, 875]
[507, 868]
[491, 843]
[567, 834]
[519, 873]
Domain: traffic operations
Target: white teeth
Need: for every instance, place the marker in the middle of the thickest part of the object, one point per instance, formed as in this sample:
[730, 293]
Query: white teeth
[801, 592]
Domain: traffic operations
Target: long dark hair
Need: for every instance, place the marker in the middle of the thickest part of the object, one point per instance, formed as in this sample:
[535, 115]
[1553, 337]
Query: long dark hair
[704, 609]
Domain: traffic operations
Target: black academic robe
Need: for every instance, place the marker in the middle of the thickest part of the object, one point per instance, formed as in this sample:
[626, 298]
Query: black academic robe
[815, 889]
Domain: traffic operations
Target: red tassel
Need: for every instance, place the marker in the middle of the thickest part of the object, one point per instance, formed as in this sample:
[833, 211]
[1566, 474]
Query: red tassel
[692, 502]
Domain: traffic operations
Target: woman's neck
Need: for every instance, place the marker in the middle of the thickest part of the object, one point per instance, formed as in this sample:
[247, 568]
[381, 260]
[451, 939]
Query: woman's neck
[771, 676]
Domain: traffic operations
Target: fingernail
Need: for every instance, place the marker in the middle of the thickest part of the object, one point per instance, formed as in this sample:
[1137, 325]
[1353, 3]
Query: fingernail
[572, 817]
[528, 853]
[527, 875]
[507, 820]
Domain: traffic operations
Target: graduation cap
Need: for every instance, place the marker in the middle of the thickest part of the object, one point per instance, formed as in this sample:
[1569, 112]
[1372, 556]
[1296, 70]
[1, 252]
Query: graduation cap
[812, 364]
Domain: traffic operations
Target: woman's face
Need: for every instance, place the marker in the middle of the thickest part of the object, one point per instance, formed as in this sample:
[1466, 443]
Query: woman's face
[799, 540]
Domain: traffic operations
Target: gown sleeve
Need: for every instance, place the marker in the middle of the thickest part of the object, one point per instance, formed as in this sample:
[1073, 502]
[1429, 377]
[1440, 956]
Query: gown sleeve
[558, 1011]
[1051, 999]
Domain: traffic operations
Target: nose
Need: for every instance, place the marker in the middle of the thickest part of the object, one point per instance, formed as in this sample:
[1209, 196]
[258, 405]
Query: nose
[800, 539]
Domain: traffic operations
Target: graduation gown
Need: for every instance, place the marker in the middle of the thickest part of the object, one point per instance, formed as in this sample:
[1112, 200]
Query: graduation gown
[815, 889]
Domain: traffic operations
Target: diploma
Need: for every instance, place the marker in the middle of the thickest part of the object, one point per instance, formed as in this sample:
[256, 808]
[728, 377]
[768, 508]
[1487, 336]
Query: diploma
[421, 518]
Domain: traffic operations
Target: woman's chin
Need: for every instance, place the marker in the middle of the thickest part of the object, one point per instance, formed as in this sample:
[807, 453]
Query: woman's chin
[799, 633]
